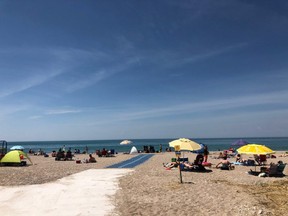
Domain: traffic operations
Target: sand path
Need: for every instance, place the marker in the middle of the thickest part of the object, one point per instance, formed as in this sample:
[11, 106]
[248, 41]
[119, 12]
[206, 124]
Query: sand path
[84, 193]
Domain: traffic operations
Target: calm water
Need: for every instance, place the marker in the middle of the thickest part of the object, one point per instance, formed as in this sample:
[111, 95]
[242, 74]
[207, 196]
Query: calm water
[214, 144]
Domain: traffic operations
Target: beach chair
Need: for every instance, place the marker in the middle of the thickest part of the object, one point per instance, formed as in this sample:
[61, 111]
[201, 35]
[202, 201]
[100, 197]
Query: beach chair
[249, 162]
[262, 159]
[276, 170]
[183, 159]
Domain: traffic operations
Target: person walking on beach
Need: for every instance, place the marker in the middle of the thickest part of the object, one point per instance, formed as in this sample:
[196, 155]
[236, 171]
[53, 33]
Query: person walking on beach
[206, 153]
[86, 149]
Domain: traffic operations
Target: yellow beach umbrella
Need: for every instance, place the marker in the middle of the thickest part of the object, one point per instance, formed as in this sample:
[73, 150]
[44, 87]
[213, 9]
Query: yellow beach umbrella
[255, 149]
[185, 144]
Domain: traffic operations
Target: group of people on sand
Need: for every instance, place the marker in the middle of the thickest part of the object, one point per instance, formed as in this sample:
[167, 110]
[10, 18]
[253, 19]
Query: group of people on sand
[197, 165]
[201, 160]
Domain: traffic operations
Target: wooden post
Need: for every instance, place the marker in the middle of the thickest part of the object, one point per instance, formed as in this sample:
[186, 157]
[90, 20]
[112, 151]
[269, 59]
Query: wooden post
[180, 172]
[178, 154]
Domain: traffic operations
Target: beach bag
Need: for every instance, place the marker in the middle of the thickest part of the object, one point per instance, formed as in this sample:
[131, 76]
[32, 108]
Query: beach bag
[173, 159]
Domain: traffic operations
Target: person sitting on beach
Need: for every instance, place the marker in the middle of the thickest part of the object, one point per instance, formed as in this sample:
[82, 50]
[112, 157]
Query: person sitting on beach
[54, 153]
[60, 155]
[257, 158]
[40, 152]
[231, 149]
[239, 159]
[91, 159]
[225, 164]
[199, 160]
[284, 155]
[220, 156]
[31, 151]
[260, 159]
[104, 152]
[197, 164]
[170, 165]
[69, 155]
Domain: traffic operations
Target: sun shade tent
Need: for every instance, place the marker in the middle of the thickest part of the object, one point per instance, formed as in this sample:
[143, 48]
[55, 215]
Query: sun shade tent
[133, 150]
[15, 157]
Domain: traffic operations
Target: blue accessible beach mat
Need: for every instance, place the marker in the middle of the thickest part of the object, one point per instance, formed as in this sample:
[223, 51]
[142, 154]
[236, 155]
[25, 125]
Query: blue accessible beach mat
[132, 162]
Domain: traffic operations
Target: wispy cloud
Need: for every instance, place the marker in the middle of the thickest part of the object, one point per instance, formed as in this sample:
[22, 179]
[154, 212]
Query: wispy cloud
[35, 117]
[55, 112]
[53, 63]
[86, 82]
[92, 78]
[7, 110]
[62, 111]
[173, 58]
[75, 56]
[207, 55]
[28, 82]
[223, 104]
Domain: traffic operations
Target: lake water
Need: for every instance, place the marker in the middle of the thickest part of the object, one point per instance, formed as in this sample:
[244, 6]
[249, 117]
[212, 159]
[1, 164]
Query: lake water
[214, 144]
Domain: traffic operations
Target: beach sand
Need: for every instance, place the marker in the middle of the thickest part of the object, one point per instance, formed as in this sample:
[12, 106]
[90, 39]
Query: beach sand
[84, 193]
[153, 190]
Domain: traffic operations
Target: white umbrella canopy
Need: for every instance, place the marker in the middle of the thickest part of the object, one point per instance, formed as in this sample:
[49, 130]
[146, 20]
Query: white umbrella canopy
[185, 144]
[126, 142]
[18, 147]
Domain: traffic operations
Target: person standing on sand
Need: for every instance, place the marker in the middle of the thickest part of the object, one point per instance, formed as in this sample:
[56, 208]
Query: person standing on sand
[206, 153]
[86, 149]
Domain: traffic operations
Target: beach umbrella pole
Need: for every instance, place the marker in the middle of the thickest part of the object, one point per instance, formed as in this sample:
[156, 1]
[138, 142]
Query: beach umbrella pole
[183, 144]
[180, 172]
[178, 155]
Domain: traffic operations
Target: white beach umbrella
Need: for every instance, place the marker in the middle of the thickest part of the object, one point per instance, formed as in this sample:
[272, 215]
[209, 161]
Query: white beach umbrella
[18, 147]
[126, 142]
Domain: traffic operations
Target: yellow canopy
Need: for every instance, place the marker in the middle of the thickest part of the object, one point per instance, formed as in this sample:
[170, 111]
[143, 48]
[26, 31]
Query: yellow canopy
[255, 149]
[185, 144]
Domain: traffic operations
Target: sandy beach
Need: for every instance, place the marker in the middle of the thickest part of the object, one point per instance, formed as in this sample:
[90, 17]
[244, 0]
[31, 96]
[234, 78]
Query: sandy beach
[153, 190]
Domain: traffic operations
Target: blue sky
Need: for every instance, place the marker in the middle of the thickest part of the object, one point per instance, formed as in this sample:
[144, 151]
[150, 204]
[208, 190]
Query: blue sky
[143, 69]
